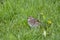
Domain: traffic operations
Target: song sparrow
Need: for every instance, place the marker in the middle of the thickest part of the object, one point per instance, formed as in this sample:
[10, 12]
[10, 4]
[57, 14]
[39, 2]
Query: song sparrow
[32, 22]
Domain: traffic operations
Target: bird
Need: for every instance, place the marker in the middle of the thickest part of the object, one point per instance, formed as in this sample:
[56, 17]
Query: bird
[32, 22]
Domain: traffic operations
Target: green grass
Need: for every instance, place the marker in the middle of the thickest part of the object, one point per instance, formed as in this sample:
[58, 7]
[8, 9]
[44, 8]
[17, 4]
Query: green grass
[14, 14]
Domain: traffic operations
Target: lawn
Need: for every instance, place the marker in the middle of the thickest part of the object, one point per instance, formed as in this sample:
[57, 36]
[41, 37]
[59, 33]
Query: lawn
[14, 14]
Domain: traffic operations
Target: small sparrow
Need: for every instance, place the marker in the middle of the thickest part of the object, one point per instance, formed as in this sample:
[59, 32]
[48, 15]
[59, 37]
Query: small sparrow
[32, 22]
